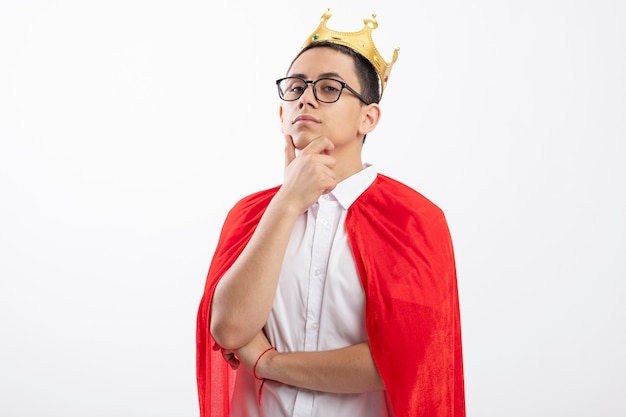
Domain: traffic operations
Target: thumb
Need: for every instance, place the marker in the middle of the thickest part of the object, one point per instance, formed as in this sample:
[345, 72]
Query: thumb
[290, 150]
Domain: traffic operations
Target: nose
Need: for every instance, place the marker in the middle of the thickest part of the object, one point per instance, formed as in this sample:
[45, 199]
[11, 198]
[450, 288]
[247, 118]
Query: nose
[308, 96]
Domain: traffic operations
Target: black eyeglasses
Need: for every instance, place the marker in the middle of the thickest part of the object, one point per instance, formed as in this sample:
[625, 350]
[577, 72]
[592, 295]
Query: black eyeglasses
[325, 90]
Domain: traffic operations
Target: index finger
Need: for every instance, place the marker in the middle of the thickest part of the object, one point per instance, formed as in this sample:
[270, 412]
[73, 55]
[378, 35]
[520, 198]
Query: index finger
[290, 150]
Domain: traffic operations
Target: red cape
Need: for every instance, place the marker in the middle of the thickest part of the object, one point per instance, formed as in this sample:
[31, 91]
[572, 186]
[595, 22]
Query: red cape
[403, 253]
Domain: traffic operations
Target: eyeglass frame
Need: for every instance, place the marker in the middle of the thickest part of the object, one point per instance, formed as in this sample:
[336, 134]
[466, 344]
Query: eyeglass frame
[344, 85]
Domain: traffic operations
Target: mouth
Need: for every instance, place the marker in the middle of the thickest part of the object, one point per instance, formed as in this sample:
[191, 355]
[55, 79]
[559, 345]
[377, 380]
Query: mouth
[303, 118]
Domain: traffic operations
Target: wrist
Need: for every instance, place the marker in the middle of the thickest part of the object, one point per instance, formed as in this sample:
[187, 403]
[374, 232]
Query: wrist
[285, 206]
[259, 368]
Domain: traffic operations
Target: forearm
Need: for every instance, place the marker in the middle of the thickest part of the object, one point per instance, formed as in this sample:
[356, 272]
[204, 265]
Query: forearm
[348, 370]
[244, 296]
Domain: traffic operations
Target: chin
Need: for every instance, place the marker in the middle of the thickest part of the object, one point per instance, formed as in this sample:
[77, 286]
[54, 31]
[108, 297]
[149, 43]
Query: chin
[301, 141]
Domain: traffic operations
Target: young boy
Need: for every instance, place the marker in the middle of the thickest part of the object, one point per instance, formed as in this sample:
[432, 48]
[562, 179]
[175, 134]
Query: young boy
[334, 293]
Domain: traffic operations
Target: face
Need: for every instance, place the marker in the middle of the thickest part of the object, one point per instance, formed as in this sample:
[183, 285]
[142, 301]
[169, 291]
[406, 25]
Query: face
[343, 122]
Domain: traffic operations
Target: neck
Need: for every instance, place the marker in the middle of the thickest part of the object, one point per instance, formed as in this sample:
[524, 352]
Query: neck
[349, 162]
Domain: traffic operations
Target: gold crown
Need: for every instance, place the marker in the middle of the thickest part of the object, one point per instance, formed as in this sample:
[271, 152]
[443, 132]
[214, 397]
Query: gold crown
[360, 41]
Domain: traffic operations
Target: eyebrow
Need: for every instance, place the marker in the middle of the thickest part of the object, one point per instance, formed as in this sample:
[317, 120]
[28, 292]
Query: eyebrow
[324, 75]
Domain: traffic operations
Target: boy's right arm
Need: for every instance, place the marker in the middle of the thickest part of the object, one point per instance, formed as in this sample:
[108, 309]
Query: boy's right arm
[244, 296]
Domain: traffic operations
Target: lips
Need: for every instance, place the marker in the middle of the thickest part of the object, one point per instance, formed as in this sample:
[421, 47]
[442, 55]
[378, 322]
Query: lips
[304, 118]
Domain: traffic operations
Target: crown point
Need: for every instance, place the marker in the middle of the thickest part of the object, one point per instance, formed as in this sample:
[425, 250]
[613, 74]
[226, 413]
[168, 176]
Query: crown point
[371, 22]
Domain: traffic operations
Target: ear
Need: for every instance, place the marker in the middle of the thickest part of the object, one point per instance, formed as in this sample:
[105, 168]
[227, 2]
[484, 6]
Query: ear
[280, 114]
[371, 116]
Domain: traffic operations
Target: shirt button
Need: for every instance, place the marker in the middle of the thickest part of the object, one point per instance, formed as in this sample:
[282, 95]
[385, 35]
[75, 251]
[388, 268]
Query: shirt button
[314, 326]
[318, 272]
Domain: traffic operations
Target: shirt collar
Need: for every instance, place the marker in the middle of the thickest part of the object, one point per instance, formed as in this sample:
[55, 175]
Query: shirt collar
[348, 190]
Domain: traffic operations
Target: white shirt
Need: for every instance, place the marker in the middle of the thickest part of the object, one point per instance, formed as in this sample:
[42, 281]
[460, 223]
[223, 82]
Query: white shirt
[319, 305]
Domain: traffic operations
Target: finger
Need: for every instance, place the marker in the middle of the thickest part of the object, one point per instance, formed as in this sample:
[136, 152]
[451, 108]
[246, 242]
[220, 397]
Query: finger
[233, 363]
[320, 145]
[231, 358]
[226, 354]
[290, 150]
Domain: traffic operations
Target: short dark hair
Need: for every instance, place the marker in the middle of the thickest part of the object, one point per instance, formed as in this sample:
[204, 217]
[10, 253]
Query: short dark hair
[365, 71]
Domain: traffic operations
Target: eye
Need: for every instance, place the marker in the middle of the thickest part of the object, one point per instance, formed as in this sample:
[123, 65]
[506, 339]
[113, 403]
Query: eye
[329, 86]
[292, 88]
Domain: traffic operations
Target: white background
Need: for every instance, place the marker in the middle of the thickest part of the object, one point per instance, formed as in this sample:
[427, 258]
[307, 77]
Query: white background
[129, 128]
